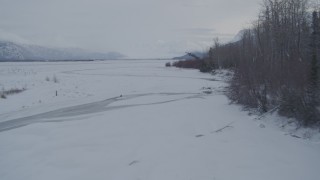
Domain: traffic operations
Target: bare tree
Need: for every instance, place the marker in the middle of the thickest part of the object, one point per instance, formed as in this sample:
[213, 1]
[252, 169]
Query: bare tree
[274, 64]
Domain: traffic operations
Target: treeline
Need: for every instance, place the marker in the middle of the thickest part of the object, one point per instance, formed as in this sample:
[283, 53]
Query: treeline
[276, 61]
[188, 64]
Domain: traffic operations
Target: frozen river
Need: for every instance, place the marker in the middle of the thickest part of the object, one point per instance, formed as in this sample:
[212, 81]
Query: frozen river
[130, 120]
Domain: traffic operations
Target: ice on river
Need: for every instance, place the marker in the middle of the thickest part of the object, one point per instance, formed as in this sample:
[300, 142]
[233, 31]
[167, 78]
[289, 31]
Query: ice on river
[123, 120]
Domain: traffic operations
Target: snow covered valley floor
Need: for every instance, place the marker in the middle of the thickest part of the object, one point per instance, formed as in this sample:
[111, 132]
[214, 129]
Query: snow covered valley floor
[137, 120]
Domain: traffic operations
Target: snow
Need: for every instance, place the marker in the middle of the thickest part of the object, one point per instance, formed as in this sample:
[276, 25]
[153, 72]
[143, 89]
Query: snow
[120, 120]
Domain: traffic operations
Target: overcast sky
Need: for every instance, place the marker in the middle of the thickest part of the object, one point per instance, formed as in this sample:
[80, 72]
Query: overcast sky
[136, 28]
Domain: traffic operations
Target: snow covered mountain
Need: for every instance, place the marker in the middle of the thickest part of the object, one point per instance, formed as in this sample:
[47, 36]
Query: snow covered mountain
[14, 51]
[239, 35]
[187, 57]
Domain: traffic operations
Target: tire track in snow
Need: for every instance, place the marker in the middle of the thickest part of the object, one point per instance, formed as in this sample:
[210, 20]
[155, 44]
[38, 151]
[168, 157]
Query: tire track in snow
[90, 108]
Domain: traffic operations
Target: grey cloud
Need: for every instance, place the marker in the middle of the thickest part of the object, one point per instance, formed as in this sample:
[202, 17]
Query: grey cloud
[132, 27]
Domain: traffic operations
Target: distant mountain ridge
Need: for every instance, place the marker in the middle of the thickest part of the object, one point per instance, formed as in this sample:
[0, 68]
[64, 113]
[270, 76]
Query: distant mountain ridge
[14, 51]
[188, 57]
[235, 39]
[238, 36]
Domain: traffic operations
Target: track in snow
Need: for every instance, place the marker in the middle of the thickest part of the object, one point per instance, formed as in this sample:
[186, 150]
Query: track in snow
[90, 108]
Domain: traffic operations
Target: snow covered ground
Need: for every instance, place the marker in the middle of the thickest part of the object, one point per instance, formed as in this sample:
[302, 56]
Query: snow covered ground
[123, 120]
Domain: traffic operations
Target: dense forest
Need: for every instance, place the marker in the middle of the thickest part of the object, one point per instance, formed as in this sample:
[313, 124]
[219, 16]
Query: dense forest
[276, 61]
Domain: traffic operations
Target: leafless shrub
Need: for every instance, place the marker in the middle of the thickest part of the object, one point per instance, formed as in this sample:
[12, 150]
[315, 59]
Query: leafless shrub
[189, 64]
[55, 79]
[5, 93]
[3, 96]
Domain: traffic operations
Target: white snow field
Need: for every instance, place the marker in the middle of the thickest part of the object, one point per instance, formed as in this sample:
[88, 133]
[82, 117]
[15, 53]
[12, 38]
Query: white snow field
[137, 120]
